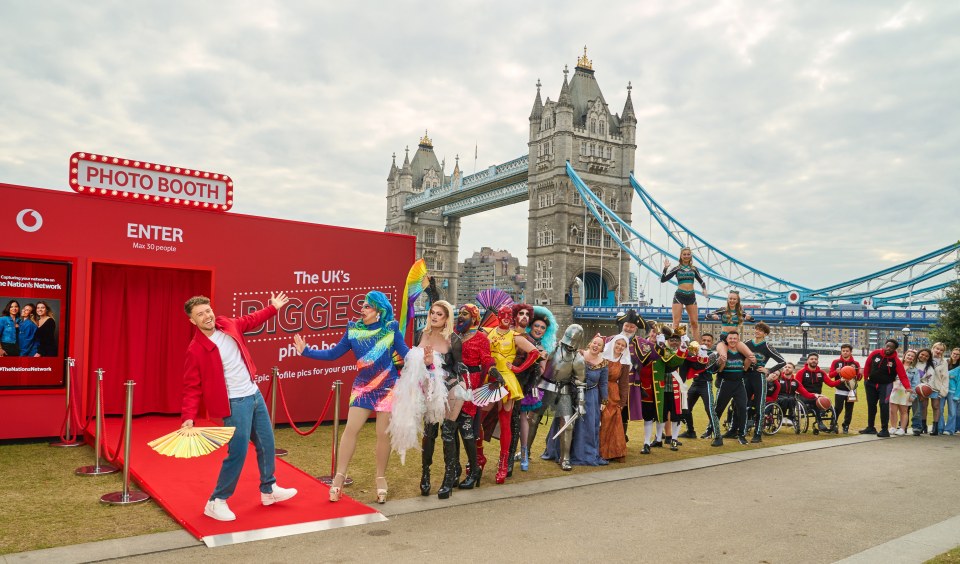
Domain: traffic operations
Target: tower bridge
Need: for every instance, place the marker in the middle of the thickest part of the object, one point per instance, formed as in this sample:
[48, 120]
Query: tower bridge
[577, 178]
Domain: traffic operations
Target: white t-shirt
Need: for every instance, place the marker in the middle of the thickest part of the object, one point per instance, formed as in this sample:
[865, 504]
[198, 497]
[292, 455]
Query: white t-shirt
[239, 384]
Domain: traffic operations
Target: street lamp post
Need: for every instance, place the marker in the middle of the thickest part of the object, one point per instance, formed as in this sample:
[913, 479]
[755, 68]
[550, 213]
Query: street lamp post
[805, 327]
[906, 338]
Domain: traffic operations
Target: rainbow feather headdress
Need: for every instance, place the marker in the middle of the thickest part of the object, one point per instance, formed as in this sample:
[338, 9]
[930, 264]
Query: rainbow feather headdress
[416, 282]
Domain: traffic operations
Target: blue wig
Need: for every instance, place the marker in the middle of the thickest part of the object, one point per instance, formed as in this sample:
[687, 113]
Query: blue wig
[380, 302]
[549, 340]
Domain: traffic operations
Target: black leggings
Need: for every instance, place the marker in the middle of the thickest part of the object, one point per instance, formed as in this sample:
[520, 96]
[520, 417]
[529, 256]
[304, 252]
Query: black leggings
[697, 391]
[845, 407]
[878, 393]
[755, 384]
[732, 389]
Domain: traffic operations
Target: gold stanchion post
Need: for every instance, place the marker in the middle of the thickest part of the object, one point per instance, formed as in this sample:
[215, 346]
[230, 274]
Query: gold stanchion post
[274, 385]
[67, 429]
[337, 384]
[126, 497]
[97, 469]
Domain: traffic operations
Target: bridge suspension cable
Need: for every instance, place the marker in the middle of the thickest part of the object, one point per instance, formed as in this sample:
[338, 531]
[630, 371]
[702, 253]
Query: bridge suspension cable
[710, 257]
[646, 252]
[874, 289]
[873, 286]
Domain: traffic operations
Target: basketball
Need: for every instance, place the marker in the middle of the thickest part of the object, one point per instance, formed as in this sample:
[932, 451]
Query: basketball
[848, 373]
[823, 402]
[924, 391]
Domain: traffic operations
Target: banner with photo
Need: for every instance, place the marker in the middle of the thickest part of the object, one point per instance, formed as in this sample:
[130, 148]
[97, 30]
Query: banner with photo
[34, 322]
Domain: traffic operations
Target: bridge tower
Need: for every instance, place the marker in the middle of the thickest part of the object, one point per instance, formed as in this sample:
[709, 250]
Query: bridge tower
[564, 243]
[437, 236]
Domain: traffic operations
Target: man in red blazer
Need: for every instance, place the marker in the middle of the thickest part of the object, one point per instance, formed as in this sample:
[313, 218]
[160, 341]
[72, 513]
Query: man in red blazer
[220, 371]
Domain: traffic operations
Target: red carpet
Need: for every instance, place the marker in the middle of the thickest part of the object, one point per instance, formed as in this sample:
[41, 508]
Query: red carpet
[182, 485]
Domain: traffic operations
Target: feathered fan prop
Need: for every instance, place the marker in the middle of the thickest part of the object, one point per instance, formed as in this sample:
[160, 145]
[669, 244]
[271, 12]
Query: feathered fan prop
[192, 442]
[417, 280]
[492, 300]
[485, 395]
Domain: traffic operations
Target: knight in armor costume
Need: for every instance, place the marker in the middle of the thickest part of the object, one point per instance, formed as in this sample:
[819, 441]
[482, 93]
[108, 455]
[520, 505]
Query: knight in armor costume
[478, 365]
[569, 374]
[505, 343]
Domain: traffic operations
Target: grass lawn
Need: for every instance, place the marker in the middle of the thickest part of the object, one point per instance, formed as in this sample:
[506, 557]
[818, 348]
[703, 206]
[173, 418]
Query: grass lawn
[40, 489]
[952, 557]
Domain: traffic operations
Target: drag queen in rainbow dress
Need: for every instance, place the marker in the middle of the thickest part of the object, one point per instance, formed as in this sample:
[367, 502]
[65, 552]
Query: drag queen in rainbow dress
[376, 342]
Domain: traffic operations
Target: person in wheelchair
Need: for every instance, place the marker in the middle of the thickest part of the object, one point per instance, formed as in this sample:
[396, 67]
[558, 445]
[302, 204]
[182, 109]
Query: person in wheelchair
[772, 417]
[787, 393]
[810, 379]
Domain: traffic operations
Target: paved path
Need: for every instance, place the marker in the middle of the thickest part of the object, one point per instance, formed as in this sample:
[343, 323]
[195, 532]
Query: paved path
[813, 502]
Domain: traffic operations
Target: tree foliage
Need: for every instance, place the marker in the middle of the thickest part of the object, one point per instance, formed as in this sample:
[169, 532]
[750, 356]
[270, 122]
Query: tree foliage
[947, 329]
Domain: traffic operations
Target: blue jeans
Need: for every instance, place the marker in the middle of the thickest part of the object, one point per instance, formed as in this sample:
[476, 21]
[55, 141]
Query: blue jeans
[919, 414]
[249, 416]
[950, 404]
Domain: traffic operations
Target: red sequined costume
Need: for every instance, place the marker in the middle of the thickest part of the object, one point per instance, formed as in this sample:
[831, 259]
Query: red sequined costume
[476, 356]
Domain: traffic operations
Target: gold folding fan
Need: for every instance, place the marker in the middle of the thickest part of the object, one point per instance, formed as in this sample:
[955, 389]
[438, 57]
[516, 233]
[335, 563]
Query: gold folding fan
[192, 442]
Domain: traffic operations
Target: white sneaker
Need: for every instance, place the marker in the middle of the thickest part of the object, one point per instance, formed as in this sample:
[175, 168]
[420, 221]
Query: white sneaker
[278, 494]
[900, 433]
[219, 510]
[788, 422]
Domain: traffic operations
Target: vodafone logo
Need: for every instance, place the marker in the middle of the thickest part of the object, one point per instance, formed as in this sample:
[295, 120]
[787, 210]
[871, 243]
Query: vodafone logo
[29, 220]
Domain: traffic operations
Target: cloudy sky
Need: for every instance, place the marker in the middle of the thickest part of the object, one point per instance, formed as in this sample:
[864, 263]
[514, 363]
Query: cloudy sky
[815, 140]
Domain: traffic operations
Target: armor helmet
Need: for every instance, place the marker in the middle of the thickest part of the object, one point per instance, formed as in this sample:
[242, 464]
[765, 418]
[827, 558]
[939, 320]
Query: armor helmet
[572, 337]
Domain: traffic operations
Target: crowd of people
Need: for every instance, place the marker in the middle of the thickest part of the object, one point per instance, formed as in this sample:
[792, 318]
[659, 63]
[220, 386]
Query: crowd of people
[28, 331]
[466, 381]
[472, 376]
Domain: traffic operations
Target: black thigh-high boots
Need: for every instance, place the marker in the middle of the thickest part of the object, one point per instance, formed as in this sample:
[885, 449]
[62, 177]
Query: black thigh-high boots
[469, 440]
[448, 433]
[428, 444]
[514, 436]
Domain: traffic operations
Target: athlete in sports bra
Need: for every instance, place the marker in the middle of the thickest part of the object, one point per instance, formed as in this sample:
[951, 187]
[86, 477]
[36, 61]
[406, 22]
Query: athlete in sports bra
[731, 319]
[685, 297]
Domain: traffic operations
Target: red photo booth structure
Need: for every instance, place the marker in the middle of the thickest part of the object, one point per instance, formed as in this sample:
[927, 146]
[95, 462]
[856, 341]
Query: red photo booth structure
[116, 272]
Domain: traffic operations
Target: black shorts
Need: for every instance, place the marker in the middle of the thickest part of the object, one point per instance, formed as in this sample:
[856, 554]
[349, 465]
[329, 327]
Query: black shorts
[685, 299]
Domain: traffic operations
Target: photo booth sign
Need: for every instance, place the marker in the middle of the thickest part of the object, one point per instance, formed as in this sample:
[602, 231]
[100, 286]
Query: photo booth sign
[117, 177]
[326, 272]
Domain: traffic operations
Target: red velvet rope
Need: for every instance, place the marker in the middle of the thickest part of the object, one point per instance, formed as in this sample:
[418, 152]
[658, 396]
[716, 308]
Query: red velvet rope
[103, 439]
[71, 413]
[283, 402]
